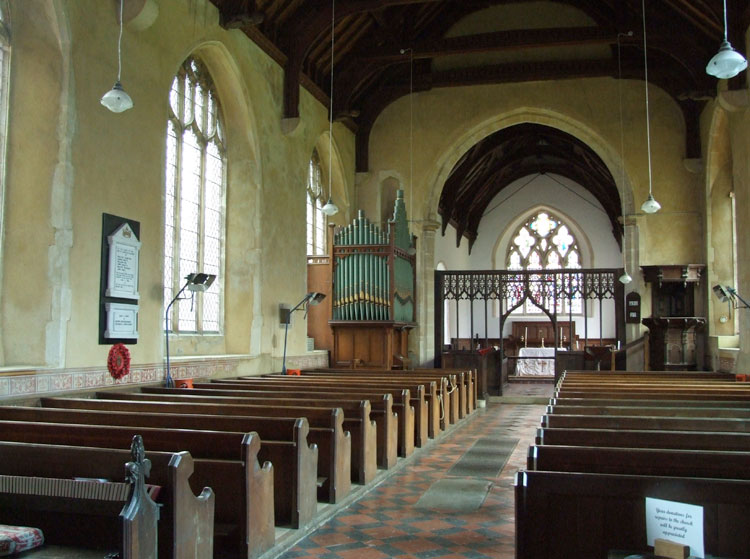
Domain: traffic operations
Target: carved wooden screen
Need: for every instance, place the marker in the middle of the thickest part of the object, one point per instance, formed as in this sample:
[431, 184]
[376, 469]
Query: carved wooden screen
[544, 289]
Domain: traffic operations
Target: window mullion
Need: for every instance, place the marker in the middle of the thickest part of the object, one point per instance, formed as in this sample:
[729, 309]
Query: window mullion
[201, 226]
[176, 279]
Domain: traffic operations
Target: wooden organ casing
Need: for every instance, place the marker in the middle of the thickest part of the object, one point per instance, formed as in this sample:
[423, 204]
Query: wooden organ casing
[374, 291]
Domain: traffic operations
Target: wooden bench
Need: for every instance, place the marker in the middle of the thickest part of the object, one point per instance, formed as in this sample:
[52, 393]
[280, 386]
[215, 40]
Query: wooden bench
[562, 514]
[381, 411]
[334, 457]
[101, 514]
[357, 420]
[639, 375]
[419, 394]
[622, 438]
[652, 410]
[647, 402]
[656, 395]
[449, 390]
[640, 461]
[655, 423]
[459, 386]
[294, 461]
[302, 389]
[186, 522]
[360, 428]
[226, 462]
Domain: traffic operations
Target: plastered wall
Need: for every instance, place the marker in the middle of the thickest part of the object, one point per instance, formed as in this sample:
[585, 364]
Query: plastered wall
[70, 160]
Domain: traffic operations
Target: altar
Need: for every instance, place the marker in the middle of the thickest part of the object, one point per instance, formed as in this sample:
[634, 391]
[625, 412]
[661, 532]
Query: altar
[536, 361]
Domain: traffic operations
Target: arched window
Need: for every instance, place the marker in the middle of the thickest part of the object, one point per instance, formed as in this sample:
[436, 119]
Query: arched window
[194, 197]
[316, 219]
[4, 87]
[544, 242]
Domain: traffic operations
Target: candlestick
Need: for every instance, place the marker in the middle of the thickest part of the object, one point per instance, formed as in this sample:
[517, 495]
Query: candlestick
[525, 336]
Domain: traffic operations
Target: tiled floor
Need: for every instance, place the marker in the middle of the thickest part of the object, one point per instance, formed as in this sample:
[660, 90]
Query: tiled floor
[385, 523]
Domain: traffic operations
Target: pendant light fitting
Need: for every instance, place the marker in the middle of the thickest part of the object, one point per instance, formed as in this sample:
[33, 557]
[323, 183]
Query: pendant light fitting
[650, 206]
[726, 63]
[116, 99]
[331, 208]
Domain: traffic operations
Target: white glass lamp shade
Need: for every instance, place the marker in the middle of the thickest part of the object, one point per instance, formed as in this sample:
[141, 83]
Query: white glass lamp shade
[116, 99]
[650, 206]
[726, 63]
[330, 208]
[625, 278]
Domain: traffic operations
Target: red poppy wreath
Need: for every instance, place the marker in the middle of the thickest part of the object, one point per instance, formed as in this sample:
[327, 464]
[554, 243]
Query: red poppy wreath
[118, 361]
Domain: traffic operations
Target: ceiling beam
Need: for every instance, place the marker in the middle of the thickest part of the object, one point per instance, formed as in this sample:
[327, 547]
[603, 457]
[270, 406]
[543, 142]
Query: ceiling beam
[500, 41]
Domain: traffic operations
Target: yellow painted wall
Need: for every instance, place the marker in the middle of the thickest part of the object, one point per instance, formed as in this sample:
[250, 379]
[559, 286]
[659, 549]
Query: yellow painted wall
[67, 167]
[449, 121]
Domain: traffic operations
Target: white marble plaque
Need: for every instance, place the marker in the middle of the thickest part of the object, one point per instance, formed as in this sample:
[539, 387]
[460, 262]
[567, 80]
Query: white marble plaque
[122, 321]
[122, 270]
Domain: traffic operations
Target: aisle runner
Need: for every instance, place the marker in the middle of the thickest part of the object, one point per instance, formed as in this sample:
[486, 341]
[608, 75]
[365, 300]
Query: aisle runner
[486, 458]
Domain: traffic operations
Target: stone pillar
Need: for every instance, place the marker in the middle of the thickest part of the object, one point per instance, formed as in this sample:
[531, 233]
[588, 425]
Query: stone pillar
[635, 360]
[423, 337]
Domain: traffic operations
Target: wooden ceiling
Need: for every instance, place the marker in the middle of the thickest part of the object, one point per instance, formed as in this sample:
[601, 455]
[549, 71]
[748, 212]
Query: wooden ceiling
[450, 43]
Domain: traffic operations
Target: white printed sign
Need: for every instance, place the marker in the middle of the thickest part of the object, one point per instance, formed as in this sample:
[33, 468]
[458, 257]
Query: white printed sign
[677, 522]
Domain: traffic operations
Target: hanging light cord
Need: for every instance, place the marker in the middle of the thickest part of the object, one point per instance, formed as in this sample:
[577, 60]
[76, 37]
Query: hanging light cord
[330, 116]
[622, 135]
[648, 126]
[725, 22]
[119, 45]
[411, 128]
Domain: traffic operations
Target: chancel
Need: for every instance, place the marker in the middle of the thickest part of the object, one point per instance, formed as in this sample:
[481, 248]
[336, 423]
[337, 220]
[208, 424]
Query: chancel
[304, 249]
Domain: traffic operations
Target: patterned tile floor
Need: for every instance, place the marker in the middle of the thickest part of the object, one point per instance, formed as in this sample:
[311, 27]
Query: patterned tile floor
[385, 524]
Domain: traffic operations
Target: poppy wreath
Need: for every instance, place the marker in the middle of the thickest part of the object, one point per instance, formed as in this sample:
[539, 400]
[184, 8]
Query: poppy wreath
[118, 361]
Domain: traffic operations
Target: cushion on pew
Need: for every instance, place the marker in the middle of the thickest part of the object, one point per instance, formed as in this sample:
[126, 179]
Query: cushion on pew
[14, 539]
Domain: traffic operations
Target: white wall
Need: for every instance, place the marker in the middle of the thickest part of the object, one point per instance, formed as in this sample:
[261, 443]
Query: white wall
[573, 204]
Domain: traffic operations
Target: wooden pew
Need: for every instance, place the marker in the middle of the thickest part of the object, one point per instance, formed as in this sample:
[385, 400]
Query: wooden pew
[262, 386]
[356, 417]
[653, 423]
[453, 385]
[294, 462]
[420, 393]
[648, 402]
[99, 514]
[656, 395]
[622, 438]
[334, 457]
[186, 522]
[640, 461]
[460, 381]
[244, 513]
[639, 375]
[652, 410]
[381, 410]
[561, 514]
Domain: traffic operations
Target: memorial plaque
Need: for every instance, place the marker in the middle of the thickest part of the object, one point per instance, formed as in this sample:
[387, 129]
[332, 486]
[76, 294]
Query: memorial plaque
[122, 321]
[122, 271]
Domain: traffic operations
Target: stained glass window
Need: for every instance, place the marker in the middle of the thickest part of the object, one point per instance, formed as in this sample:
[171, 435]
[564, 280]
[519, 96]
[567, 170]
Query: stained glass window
[544, 242]
[316, 219]
[194, 198]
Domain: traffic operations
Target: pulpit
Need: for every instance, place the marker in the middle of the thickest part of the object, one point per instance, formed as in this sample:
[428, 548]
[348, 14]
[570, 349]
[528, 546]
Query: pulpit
[676, 335]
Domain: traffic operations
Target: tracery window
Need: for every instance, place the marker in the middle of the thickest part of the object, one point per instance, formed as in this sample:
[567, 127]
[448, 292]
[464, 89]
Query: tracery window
[316, 219]
[194, 198]
[544, 242]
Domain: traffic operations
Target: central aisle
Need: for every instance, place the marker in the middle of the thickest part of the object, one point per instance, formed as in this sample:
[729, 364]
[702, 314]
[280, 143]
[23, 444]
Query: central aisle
[454, 500]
